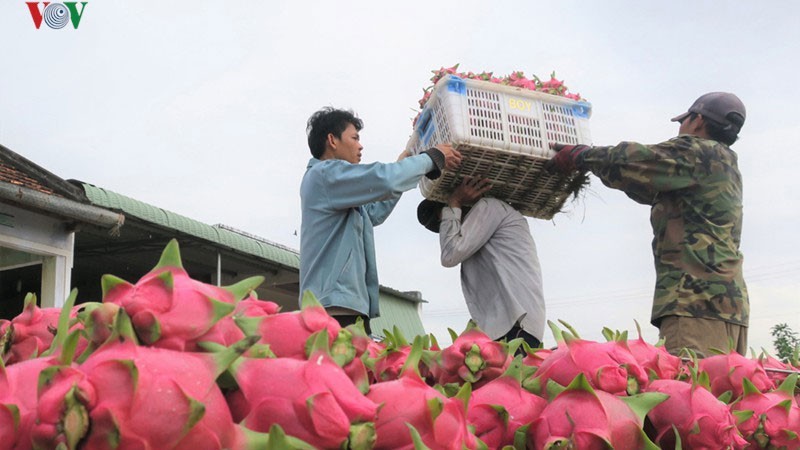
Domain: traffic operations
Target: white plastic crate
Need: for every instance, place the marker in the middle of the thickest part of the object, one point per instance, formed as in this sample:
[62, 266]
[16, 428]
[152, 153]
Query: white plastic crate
[504, 134]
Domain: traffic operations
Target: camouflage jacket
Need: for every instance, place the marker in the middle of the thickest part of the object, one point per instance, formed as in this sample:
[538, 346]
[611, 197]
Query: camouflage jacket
[694, 188]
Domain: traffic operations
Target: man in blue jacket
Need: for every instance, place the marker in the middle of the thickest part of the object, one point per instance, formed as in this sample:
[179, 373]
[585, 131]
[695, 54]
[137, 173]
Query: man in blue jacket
[341, 201]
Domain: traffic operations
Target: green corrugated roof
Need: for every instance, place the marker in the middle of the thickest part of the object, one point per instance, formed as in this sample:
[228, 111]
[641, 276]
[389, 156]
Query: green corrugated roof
[396, 310]
[224, 237]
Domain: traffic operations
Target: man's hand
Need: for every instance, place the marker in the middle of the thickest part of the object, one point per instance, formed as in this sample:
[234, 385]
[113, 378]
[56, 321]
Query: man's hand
[565, 158]
[404, 155]
[452, 157]
[470, 190]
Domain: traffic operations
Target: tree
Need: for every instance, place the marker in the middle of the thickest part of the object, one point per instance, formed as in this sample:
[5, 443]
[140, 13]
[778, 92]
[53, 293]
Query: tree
[785, 341]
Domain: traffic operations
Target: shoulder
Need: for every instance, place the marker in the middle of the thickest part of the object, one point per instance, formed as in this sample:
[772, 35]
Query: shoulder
[327, 164]
[494, 206]
[702, 146]
[490, 202]
[690, 142]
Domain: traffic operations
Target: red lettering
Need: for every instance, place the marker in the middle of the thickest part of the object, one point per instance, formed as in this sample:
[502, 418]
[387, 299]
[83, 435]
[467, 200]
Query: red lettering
[36, 13]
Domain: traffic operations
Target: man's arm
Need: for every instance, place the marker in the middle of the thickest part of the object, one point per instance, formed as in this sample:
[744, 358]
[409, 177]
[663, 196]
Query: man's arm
[641, 171]
[351, 185]
[460, 240]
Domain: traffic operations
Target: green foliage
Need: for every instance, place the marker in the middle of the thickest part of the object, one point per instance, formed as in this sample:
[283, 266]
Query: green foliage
[785, 341]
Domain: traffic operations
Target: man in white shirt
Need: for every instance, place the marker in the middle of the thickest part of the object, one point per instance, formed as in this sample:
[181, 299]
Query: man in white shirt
[500, 274]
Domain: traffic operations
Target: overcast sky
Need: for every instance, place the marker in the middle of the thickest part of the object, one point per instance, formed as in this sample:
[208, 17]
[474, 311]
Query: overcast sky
[200, 108]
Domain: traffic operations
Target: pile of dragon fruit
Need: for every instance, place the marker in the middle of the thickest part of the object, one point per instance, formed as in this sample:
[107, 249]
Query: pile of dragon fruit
[553, 86]
[173, 363]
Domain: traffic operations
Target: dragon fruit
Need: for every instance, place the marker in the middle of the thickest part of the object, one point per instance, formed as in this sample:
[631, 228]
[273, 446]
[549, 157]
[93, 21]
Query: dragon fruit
[501, 409]
[581, 417]
[473, 357]
[535, 356]
[313, 400]
[225, 332]
[413, 411]
[774, 418]
[20, 383]
[127, 391]
[350, 349]
[168, 308]
[18, 401]
[287, 333]
[608, 366]
[655, 359]
[726, 372]
[316, 393]
[776, 369]
[31, 332]
[388, 363]
[700, 419]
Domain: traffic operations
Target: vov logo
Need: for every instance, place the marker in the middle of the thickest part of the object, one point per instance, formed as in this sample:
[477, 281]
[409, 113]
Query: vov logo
[56, 15]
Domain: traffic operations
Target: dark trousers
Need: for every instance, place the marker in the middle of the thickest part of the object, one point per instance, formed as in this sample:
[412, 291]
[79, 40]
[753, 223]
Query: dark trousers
[346, 320]
[517, 332]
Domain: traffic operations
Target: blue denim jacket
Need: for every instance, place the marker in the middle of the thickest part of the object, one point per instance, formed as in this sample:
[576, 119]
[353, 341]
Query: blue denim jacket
[340, 203]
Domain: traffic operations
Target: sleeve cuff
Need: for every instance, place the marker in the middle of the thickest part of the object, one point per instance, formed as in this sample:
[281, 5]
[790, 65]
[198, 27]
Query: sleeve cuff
[449, 212]
[437, 157]
[580, 157]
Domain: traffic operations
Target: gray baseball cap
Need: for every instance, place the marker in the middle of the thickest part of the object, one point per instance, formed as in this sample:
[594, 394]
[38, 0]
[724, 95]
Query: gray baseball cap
[721, 107]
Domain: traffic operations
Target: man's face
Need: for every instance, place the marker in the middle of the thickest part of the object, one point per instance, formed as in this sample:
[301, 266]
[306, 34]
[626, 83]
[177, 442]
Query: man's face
[348, 147]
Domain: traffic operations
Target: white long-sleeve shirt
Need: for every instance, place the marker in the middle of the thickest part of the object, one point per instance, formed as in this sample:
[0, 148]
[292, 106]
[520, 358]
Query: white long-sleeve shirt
[500, 274]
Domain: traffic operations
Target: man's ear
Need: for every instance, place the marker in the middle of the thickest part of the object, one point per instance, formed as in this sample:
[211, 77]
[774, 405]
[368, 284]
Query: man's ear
[698, 125]
[330, 142]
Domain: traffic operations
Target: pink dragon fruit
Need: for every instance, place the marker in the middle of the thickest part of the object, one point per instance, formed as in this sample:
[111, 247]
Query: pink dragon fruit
[390, 359]
[350, 349]
[553, 86]
[75, 412]
[287, 333]
[774, 418]
[656, 360]
[776, 369]
[701, 420]
[442, 72]
[127, 391]
[313, 400]
[501, 408]
[473, 357]
[168, 308]
[20, 383]
[18, 401]
[583, 418]
[535, 356]
[226, 332]
[413, 414]
[608, 366]
[31, 332]
[727, 372]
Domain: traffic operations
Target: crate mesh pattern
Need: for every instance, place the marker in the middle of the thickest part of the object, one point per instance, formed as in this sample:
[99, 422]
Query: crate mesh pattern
[507, 146]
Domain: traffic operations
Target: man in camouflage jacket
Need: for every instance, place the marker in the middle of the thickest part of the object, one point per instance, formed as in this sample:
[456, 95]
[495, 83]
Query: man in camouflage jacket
[694, 188]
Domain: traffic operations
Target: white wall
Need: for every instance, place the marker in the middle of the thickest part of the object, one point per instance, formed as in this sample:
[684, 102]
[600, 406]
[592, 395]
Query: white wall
[47, 237]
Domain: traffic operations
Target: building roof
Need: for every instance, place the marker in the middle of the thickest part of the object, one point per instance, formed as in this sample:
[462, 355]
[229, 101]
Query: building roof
[217, 234]
[20, 171]
[27, 185]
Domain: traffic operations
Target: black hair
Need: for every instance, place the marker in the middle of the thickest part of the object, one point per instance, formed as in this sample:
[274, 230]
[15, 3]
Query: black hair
[727, 134]
[328, 120]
